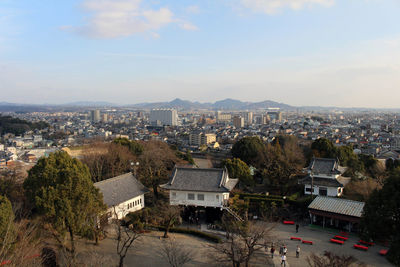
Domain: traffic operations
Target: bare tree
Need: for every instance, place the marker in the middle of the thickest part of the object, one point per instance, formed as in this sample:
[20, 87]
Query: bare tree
[175, 253]
[242, 241]
[106, 160]
[332, 260]
[156, 164]
[126, 236]
[170, 216]
[21, 244]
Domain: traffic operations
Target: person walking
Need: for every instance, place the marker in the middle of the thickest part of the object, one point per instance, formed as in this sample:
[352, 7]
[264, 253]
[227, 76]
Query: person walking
[283, 260]
[284, 250]
[272, 251]
[298, 251]
[281, 250]
[297, 227]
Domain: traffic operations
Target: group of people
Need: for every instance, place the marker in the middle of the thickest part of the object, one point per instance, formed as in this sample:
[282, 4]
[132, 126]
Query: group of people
[283, 252]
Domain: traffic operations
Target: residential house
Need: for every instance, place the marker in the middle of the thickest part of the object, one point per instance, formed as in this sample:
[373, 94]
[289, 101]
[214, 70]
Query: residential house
[122, 194]
[325, 176]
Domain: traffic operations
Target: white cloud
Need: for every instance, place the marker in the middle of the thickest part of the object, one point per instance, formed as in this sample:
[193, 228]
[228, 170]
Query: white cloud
[188, 26]
[274, 6]
[121, 18]
[193, 9]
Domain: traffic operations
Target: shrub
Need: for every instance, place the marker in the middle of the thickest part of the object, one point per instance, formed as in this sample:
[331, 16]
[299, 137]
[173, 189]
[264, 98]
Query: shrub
[207, 236]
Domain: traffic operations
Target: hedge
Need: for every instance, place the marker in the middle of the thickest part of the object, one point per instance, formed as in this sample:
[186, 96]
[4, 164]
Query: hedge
[244, 195]
[207, 236]
[300, 203]
[278, 202]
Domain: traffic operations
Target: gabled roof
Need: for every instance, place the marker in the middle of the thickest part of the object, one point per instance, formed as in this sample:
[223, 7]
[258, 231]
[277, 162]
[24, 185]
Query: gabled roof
[324, 166]
[200, 179]
[120, 189]
[338, 206]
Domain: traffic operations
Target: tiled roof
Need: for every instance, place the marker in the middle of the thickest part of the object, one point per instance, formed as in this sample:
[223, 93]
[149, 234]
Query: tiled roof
[338, 205]
[324, 166]
[200, 179]
[120, 189]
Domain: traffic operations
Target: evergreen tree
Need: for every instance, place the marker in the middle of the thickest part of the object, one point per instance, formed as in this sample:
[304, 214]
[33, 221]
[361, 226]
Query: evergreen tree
[381, 216]
[61, 190]
[250, 150]
[239, 169]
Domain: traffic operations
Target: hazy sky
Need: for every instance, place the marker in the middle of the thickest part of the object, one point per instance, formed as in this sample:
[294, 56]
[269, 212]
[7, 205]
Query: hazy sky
[300, 52]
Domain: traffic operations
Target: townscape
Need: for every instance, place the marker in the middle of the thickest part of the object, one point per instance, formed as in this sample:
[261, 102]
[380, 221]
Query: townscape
[199, 133]
[273, 178]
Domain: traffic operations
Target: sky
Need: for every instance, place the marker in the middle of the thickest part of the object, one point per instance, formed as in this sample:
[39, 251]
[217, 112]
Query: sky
[343, 53]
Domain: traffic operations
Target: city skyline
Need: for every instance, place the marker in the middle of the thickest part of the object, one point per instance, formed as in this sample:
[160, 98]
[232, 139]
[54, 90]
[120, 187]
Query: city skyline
[297, 52]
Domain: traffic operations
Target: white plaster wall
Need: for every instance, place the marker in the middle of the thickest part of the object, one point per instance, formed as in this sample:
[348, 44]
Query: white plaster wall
[210, 199]
[122, 209]
[331, 192]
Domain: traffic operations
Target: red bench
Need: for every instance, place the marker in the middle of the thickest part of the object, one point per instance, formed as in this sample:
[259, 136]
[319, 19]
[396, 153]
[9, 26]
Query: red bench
[288, 222]
[341, 237]
[383, 252]
[295, 238]
[360, 247]
[307, 242]
[337, 241]
[366, 243]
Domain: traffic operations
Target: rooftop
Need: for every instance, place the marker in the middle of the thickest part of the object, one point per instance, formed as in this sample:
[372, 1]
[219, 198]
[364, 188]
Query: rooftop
[338, 205]
[324, 166]
[200, 179]
[120, 189]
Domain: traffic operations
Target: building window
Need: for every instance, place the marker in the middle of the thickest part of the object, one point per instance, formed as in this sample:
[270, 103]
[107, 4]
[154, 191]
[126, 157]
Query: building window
[140, 201]
[217, 197]
[173, 195]
[200, 196]
[323, 191]
[308, 189]
[191, 196]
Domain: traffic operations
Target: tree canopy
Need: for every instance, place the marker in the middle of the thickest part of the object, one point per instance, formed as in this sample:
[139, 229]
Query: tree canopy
[323, 148]
[17, 126]
[61, 190]
[107, 160]
[134, 147]
[381, 216]
[249, 150]
[239, 169]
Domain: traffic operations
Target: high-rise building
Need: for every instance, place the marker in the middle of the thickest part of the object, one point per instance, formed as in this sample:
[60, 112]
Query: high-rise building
[164, 117]
[238, 122]
[95, 115]
[104, 117]
[249, 118]
[275, 115]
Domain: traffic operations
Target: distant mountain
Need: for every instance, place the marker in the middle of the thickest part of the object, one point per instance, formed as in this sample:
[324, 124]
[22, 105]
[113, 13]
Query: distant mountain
[226, 104]
[90, 104]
